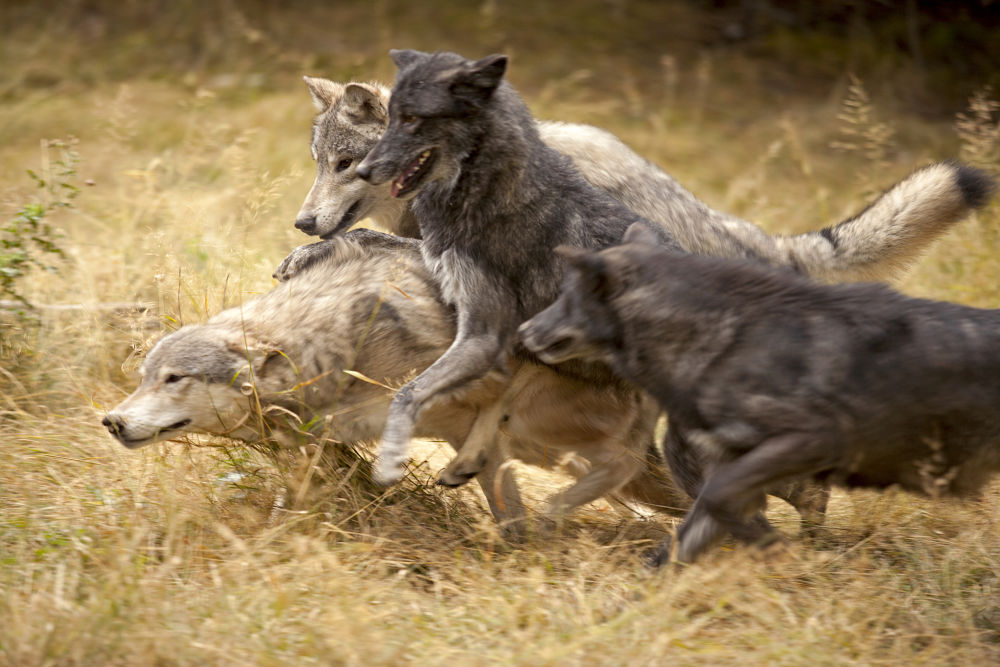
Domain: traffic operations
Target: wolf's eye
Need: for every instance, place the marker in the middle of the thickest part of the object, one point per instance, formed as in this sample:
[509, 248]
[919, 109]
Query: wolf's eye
[344, 164]
[173, 377]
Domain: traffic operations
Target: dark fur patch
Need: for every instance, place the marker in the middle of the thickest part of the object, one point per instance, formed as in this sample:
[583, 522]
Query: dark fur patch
[976, 185]
[827, 233]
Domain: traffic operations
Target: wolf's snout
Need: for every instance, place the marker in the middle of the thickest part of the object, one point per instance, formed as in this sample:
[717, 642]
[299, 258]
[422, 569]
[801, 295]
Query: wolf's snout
[306, 224]
[364, 171]
[114, 423]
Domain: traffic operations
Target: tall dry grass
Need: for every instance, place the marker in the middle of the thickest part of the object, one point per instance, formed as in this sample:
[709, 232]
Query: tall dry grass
[182, 554]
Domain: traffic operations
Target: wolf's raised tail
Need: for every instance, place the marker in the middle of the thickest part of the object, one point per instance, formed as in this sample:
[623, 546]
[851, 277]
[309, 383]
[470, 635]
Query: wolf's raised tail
[892, 232]
[875, 244]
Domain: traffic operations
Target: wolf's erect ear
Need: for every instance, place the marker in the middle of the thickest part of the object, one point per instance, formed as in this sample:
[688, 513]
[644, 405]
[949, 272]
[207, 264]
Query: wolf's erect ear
[637, 232]
[324, 92]
[362, 104]
[259, 358]
[477, 80]
[403, 57]
[597, 277]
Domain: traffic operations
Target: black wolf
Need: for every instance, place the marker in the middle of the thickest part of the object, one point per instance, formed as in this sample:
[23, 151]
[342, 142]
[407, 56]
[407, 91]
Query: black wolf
[771, 378]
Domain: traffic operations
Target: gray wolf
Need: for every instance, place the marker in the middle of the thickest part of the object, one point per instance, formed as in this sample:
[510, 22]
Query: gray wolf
[772, 378]
[369, 305]
[492, 201]
[875, 244]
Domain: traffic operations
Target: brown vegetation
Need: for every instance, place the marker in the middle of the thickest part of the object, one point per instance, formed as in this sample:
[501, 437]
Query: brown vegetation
[192, 129]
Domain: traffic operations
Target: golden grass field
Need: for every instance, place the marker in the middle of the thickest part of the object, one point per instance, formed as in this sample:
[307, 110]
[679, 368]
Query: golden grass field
[192, 138]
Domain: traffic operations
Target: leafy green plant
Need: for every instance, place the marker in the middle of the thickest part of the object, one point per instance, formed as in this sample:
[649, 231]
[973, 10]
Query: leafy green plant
[28, 240]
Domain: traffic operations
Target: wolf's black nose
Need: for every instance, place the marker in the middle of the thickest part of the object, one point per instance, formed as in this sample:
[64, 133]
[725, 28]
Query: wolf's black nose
[113, 423]
[363, 171]
[307, 225]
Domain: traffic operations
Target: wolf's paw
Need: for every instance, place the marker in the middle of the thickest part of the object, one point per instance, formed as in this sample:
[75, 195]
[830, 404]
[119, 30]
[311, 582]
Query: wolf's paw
[387, 474]
[461, 471]
[301, 259]
[659, 556]
[392, 457]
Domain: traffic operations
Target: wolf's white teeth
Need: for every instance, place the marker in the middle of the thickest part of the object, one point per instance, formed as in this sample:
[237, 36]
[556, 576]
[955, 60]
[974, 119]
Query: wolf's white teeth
[400, 182]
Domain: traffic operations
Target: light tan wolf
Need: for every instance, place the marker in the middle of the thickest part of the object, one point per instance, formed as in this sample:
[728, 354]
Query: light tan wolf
[370, 306]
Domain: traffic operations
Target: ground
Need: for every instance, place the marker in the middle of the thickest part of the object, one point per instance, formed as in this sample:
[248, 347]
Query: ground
[187, 137]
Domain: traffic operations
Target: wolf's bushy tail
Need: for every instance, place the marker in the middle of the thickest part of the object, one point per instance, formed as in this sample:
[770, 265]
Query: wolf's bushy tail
[875, 244]
[893, 230]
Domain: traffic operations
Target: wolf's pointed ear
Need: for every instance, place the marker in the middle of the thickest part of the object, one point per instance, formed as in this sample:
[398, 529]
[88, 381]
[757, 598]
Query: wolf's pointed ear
[638, 232]
[258, 358]
[597, 277]
[477, 80]
[403, 57]
[363, 104]
[324, 92]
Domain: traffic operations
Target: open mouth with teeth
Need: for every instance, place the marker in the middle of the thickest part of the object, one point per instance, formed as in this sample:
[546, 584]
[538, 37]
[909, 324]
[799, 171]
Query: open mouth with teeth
[409, 180]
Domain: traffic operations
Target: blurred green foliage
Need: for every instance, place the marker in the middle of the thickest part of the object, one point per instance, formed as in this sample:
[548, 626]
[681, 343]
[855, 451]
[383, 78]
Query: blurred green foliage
[27, 241]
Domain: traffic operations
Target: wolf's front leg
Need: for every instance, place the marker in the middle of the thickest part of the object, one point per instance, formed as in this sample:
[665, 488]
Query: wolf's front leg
[477, 448]
[469, 358]
[306, 256]
[302, 258]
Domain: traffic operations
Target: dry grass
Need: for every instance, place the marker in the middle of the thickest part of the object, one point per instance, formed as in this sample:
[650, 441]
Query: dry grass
[178, 554]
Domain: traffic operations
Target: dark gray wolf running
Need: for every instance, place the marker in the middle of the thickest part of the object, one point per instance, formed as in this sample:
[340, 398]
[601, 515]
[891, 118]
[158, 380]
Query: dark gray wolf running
[772, 378]
[371, 306]
[492, 201]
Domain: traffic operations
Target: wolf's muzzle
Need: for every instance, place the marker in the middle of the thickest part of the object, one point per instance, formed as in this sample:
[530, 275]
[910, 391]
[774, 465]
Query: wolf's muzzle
[307, 225]
[113, 423]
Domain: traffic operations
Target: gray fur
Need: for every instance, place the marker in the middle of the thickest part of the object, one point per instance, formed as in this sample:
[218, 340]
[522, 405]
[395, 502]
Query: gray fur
[365, 302]
[875, 244]
[492, 201]
[770, 378]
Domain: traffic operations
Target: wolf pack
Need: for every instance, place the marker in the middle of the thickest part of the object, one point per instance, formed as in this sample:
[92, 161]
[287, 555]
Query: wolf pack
[541, 292]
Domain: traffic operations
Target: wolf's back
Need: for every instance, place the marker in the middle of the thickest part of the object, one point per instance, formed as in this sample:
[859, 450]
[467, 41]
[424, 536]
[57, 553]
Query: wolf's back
[874, 244]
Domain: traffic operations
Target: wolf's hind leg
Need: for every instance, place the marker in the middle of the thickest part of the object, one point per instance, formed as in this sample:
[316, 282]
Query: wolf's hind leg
[477, 450]
[735, 491]
[481, 456]
[500, 488]
[809, 498]
[605, 477]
